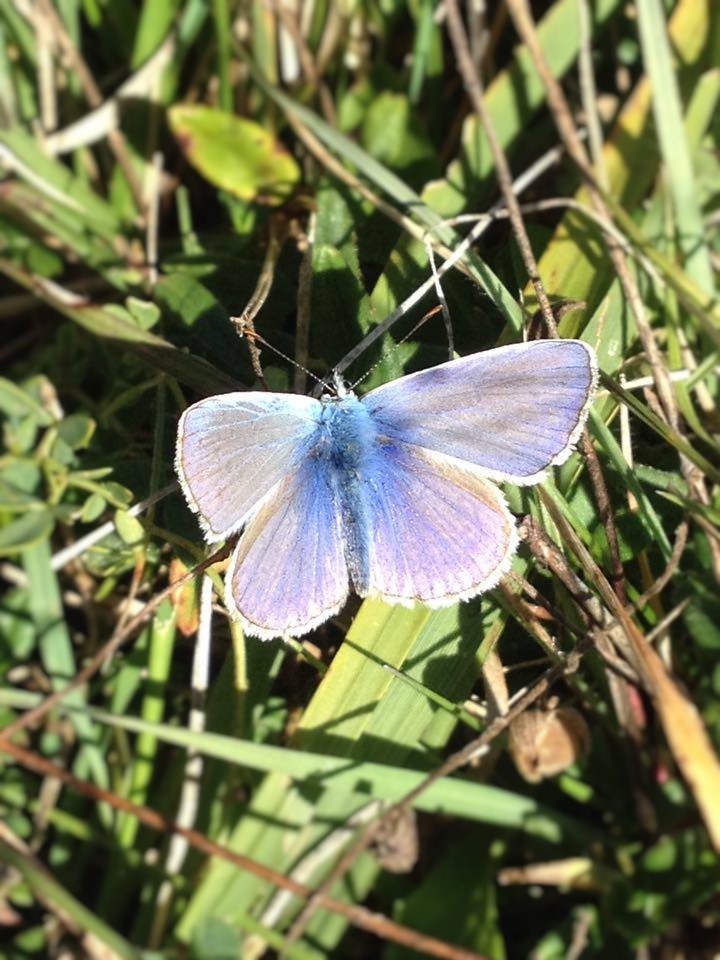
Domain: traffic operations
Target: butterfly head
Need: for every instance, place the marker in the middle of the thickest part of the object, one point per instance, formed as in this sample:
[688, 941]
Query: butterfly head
[339, 389]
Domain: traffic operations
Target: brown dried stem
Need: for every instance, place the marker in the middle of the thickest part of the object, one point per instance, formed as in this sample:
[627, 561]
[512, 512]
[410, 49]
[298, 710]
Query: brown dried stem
[681, 537]
[289, 19]
[245, 323]
[524, 24]
[14, 851]
[607, 515]
[341, 173]
[682, 724]
[474, 89]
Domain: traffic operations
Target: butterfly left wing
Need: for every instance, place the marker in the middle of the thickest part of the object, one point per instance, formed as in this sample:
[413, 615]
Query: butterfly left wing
[434, 531]
[233, 448]
[288, 573]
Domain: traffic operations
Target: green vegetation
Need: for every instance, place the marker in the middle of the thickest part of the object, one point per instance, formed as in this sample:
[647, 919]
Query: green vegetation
[166, 166]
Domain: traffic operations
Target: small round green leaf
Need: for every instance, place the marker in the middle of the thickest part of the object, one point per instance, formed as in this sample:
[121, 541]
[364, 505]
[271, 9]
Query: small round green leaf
[26, 530]
[145, 313]
[130, 529]
[19, 401]
[92, 508]
[76, 430]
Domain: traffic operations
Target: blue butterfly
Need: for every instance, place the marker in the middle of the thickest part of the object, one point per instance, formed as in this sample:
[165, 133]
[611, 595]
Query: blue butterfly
[393, 493]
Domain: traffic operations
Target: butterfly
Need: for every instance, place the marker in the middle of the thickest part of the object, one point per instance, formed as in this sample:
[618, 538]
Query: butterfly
[393, 493]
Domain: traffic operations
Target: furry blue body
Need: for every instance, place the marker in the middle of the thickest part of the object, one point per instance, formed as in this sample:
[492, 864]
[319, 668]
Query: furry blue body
[346, 444]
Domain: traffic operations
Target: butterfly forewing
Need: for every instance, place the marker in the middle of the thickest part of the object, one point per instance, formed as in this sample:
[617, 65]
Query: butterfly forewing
[512, 412]
[232, 449]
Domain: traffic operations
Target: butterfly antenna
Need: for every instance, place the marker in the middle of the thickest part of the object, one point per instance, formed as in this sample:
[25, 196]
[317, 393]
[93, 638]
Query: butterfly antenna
[388, 353]
[246, 330]
[441, 297]
[440, 293]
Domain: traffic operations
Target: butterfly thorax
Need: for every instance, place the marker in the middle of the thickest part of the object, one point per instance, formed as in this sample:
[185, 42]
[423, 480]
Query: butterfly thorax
[347, 433]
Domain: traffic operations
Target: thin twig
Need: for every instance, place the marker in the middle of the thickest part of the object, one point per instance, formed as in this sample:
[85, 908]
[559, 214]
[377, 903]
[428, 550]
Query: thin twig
[64, 556]
[525, 25]
[338, 170]
[153, 189]
[588, 91]
[128, 601]
[481, 224]
[47, 88]
[607, 514]
[33, 869]
[621, 667]
[317, 857]
[667, 620]
[189, 801]
[289, 21]
[474, 88]
[682, 724]
[304, 304]
[245, 323]
[440, 294]
[681, 537]
[522, 17]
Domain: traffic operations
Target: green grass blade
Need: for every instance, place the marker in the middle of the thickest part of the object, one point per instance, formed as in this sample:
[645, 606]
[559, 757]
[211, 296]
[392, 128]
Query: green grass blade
[161, 643]
[45, 608]
[614, 452]
[644, 413]
[408, 201]
[667, 110]
[344, 776]
[61, 901]
[158, 353]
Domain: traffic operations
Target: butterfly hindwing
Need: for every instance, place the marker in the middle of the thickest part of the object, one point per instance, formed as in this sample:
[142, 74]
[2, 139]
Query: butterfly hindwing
[512, 412]
[435, 531]
[288, 573]
[232, 449]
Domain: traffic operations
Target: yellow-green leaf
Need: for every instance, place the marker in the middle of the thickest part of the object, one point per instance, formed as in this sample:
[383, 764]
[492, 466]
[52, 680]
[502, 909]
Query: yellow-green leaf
[235, 154]
[130, 529]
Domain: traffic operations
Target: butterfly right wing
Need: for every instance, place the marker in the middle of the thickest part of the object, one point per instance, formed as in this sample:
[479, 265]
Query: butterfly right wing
[288, 573]
[512, 412]
[232, 450]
